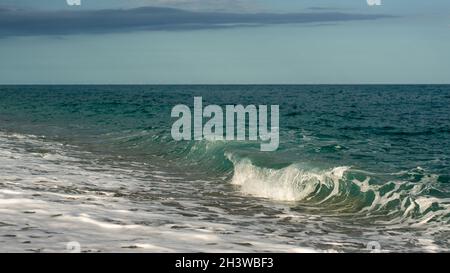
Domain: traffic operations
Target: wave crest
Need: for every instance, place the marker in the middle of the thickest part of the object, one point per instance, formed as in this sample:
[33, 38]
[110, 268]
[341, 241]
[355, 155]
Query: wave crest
[287, 184]
[344, 191]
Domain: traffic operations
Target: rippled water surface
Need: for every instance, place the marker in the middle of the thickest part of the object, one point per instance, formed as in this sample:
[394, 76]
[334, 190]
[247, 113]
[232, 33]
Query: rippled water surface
[97, 165]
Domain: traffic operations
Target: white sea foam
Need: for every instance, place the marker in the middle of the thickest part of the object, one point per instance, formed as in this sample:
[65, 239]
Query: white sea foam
[288, 184]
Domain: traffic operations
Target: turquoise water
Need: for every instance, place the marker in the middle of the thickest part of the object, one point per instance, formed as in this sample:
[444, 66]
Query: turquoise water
[355, 164]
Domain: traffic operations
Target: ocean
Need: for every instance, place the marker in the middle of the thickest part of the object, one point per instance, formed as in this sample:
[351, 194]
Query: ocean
[357, 166]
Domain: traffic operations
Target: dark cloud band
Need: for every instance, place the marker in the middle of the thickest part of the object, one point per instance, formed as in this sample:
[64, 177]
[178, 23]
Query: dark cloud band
[33, 22]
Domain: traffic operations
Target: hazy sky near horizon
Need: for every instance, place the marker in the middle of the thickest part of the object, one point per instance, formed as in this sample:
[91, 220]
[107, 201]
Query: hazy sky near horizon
[224, 41]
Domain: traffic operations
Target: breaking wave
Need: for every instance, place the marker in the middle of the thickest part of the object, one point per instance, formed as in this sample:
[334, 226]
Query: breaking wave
[345, 191]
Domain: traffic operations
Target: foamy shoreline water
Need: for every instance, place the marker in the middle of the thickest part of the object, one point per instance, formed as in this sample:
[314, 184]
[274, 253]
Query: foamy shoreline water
[38, 215]
[47, 201]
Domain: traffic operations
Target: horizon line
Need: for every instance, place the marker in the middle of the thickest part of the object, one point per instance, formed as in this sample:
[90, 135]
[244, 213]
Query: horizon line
[210, 84]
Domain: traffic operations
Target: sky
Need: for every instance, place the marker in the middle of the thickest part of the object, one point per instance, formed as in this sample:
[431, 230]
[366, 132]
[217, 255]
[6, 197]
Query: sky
[224, 42]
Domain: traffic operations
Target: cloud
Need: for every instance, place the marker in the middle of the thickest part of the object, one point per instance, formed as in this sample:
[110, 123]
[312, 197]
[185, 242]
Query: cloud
[324, 8]
[19, 22]
[206, 5]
